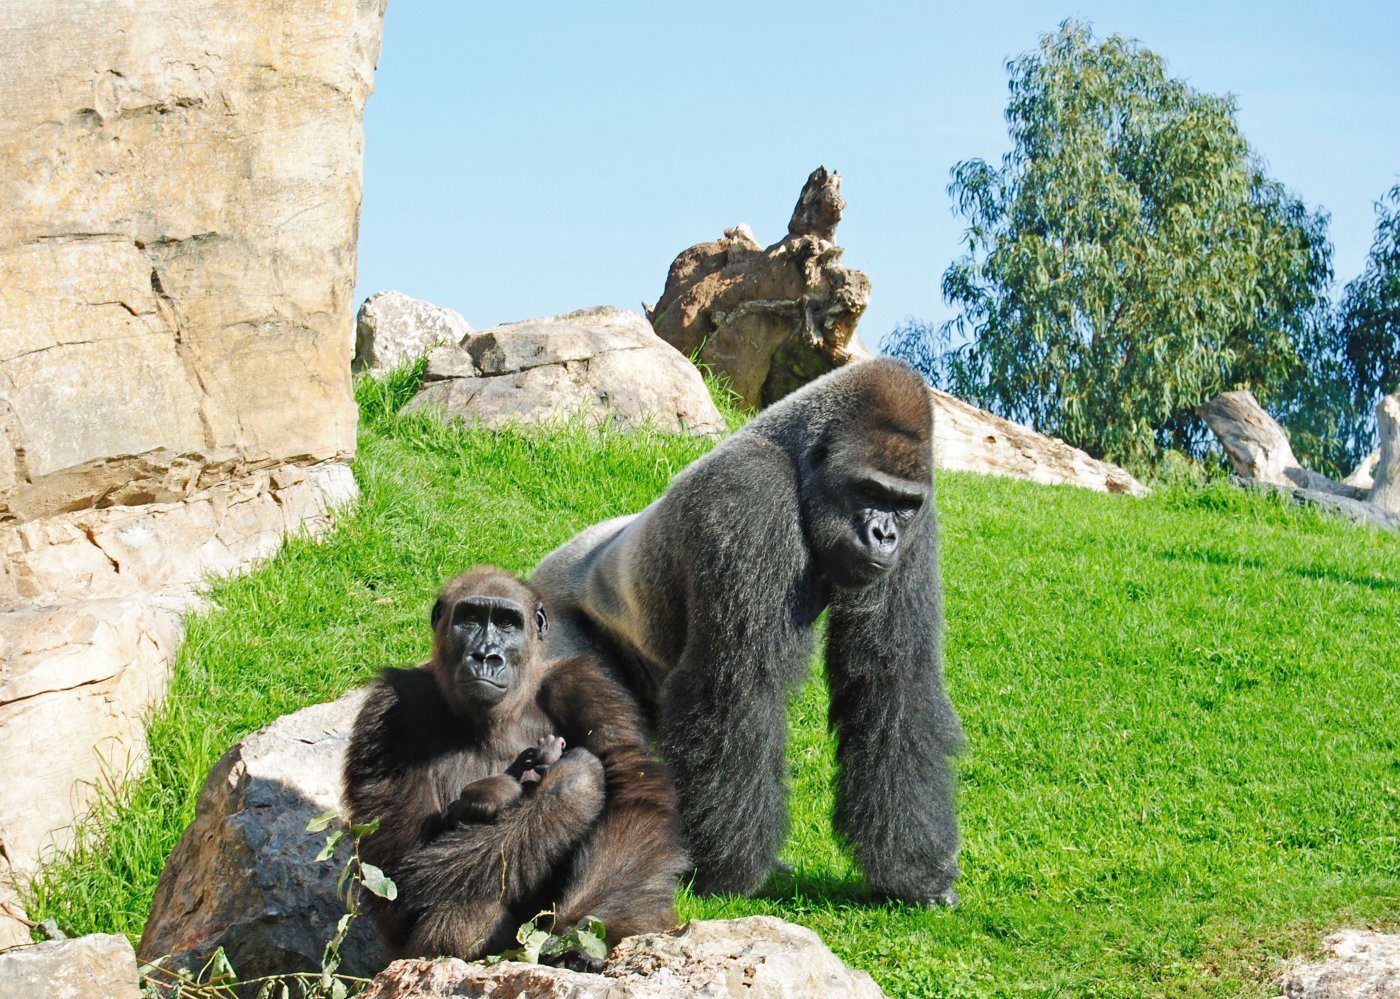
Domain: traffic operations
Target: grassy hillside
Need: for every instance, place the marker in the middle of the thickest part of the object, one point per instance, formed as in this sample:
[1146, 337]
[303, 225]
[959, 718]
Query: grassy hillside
[1184, 753]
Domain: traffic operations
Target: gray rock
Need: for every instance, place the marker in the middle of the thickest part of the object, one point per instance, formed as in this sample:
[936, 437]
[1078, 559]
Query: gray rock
[771, 319]
[605, 363]
[759, 956]
[100, 966]
[1360, 965]
[393, 329]
[243, 875]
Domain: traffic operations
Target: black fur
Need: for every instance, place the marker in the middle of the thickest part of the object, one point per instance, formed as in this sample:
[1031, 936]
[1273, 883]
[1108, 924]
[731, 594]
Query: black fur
[482, 822]
[704, 602]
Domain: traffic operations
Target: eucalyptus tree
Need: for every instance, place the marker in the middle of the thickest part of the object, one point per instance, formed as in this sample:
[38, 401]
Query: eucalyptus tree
[1370, 312]
[1128, 259]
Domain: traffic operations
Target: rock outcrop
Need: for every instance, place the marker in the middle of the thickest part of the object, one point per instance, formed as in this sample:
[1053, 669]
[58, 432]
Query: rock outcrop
[392, 329]
[243, 876]
[770, 319]
[179, 205]
[603, 362]
[754, 956]
[1360, 964]
[100, 966]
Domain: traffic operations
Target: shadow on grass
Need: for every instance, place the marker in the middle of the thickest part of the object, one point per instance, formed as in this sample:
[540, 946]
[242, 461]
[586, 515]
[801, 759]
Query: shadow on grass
[1209, 557]
[799, 886]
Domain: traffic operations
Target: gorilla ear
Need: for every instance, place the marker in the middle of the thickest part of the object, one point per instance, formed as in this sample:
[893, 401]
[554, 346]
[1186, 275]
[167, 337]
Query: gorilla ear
[438, 609]
[816, 454]
[541, 620]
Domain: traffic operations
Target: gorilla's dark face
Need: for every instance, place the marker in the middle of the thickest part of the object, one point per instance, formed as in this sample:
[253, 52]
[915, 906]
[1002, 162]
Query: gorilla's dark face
[858, 506]
[483, 647]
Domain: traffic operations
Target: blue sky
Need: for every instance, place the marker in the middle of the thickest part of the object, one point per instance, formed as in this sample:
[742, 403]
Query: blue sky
[528, 159]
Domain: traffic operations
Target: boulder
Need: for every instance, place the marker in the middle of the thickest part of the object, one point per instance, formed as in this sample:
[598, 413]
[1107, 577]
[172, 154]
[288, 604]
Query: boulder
[243, 876]
[179, 204]
[1385, 492]
[770, 319]
[1360, 964]
[602, 362]
[100, 966]
[753, 956]
[393, 329]
[79, 681]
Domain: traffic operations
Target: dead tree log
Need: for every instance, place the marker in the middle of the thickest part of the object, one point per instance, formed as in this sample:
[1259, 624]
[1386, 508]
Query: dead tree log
[1258, 449]
[1385, 493]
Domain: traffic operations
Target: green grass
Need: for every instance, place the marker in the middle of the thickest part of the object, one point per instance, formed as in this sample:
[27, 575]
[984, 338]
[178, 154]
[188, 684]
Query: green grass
[1184, 756]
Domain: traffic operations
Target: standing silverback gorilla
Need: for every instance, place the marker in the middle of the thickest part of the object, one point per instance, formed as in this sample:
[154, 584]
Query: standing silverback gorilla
[505, 785]
[704, 603]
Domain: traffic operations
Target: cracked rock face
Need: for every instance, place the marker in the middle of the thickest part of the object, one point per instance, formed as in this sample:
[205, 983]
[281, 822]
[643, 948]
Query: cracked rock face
[604, 363]
[179, 203]
[771, 319]
[179, 190]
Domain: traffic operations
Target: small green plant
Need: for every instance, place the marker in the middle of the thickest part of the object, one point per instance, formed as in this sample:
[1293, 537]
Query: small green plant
[539, 945]
[217, 978]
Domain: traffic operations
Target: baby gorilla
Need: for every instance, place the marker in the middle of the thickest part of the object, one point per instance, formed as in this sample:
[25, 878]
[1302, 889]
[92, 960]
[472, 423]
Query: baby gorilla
[482, 800]
[506, 784]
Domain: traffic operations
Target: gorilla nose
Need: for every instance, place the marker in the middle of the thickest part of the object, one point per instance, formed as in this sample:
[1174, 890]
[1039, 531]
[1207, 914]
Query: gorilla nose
[487, 664]
[883, 536]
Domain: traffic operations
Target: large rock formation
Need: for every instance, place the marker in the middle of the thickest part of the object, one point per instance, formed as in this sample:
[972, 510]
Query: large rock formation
[243, 876]
[754, 956]
[771, 319]
[603, 362]
[179, 204]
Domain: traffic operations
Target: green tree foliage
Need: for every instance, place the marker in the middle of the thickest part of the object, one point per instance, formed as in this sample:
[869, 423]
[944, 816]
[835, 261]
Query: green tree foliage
[1128, 260]
[1370, 312]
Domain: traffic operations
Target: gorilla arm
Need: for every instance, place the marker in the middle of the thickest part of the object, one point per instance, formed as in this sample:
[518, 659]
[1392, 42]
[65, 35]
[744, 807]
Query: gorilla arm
[723, 559]
[626, 869]
[884, 667]
[469, 879]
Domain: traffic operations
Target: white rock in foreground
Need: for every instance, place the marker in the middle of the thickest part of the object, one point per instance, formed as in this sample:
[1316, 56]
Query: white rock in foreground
[1360, 964]
[100, 966]
[759, 956]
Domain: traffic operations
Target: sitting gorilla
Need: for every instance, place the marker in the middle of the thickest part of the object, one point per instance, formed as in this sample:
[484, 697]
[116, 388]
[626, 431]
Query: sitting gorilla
[704, 604]
[485, 818]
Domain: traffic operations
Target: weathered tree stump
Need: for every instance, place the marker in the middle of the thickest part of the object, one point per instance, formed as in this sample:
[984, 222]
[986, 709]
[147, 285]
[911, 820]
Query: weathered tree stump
[1385, 493]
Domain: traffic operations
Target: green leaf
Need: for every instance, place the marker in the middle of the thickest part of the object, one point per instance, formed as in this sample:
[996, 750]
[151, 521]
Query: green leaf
[367, 829]
[332, 841]
[322, 821]
[374, 880]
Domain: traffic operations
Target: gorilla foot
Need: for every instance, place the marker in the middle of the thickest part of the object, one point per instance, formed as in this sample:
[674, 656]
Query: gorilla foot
[945, 899]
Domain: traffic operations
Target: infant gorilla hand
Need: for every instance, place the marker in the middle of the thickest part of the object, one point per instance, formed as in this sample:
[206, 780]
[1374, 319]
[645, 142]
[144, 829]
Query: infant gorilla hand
[531, 764]
[482, 800]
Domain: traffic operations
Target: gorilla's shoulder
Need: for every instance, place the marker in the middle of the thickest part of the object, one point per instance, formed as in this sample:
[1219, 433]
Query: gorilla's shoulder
[405, 700]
